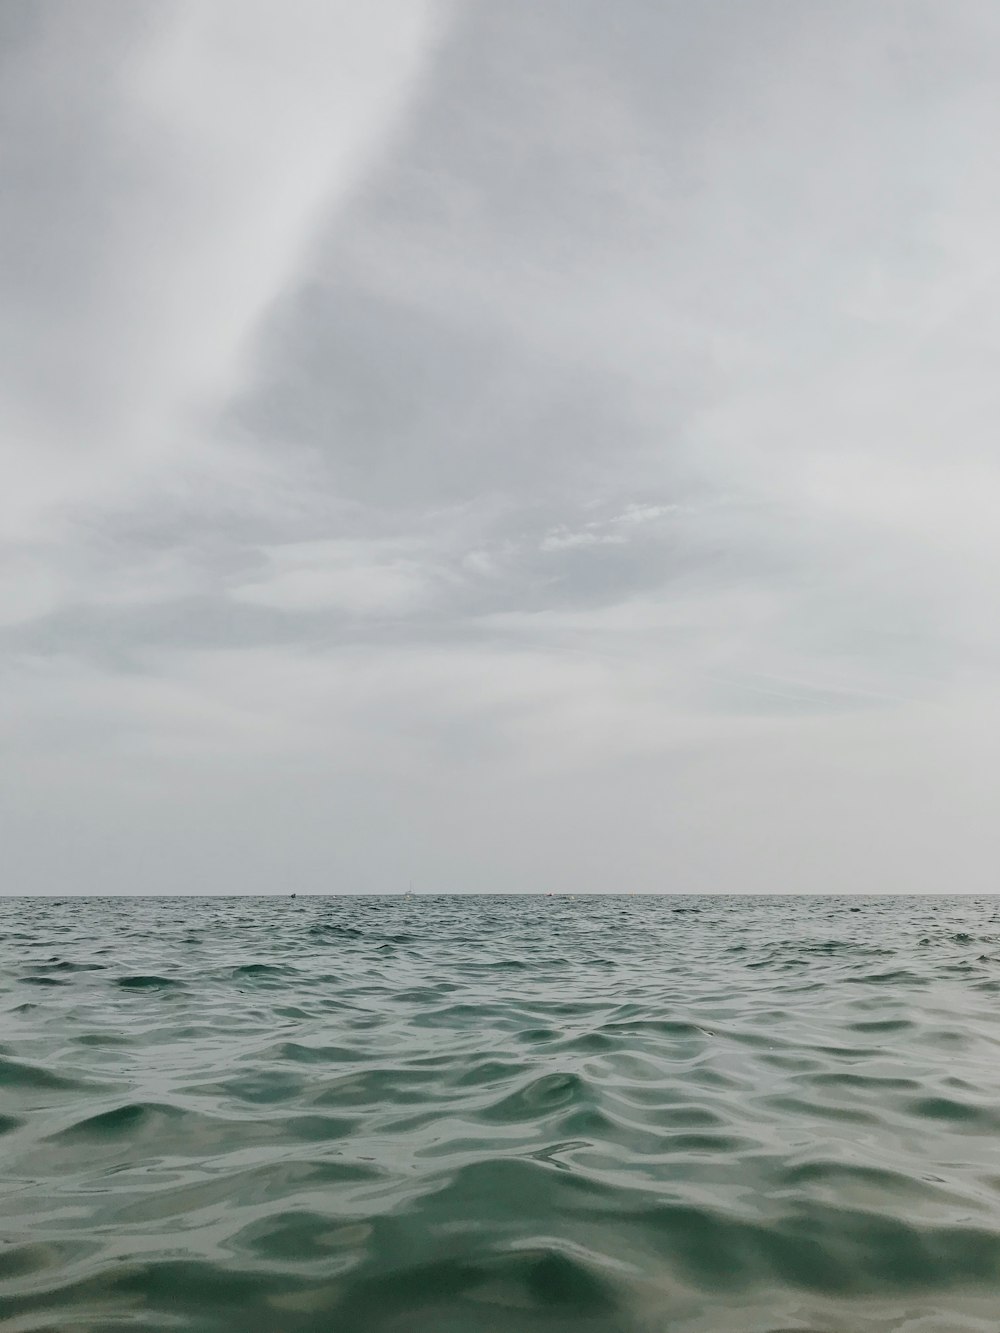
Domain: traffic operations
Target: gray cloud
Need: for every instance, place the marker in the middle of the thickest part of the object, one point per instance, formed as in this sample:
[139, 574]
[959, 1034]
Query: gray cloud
[513, 446]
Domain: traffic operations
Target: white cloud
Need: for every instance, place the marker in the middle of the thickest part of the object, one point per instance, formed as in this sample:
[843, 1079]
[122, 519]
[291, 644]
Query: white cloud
[223, 138]
[635, 515]
[357, 578]
[564, 539]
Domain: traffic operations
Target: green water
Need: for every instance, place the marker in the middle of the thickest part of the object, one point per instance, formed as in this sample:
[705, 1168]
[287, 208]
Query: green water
[450, 1115]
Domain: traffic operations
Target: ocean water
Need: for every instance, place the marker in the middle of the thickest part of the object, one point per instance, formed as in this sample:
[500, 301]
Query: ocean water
[446, 1115]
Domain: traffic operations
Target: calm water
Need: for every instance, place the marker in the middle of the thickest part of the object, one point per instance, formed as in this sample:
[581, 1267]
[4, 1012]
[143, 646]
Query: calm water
[451, 1115]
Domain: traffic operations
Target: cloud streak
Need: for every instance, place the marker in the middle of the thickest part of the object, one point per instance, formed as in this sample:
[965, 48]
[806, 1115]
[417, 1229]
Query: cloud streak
[159, 211]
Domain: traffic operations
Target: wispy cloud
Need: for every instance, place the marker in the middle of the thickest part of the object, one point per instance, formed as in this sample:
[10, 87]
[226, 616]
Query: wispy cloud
[359, 578]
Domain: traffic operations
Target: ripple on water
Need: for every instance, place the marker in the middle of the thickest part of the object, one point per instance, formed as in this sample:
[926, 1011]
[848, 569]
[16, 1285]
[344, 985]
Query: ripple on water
[18, 1075]
[538, 1097]
[433, 1116]
[148, 981]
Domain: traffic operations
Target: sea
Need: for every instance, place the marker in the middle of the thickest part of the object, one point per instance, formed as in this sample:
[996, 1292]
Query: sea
[465, 1114]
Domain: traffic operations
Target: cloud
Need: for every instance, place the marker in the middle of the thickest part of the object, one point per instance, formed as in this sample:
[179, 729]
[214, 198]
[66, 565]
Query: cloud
[570, 426]
[341, 575]
[167, 171]
[617, 530]
[562, 539]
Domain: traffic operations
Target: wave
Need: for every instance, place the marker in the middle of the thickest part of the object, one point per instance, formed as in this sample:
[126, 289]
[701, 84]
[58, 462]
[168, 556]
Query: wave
[604, 1116]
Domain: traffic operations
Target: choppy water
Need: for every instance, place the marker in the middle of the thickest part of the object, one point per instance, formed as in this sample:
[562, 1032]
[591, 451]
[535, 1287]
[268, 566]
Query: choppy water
[452, 1115]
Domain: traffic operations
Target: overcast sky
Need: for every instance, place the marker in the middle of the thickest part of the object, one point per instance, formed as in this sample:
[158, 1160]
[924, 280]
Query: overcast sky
[524, 446]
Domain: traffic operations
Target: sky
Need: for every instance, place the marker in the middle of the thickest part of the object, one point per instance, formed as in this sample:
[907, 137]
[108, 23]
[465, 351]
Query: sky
[538, 447]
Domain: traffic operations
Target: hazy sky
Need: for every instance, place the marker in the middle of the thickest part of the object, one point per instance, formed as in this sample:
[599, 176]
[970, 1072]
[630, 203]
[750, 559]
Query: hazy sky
[549, 444]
